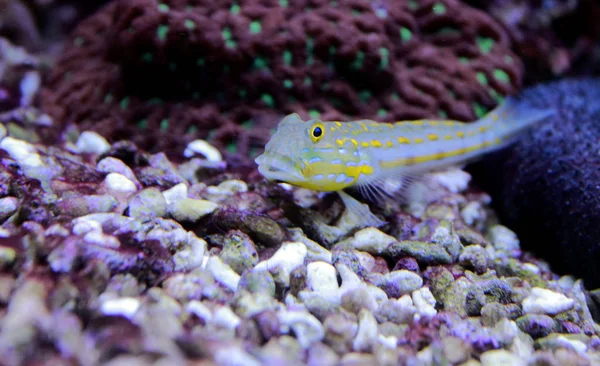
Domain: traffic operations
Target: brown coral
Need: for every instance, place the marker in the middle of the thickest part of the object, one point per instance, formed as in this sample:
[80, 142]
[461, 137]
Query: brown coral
[165, 73]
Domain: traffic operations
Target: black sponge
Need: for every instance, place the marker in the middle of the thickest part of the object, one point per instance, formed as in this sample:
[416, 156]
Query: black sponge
[546, 187]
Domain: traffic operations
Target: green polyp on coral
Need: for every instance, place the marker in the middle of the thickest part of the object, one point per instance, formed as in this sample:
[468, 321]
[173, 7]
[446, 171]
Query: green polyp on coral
[147, 57]
[78, 42]
[164, 125]
[364, 95]
[163, 8]
[192, 130]
[384, 53]
[287, 58]
[260, 63]
[161, 32]
[480, 110]
[235, 9]
[228, 37]
[143, 124]
[439, 9]
[463, 60]
[497, 96]
[124, 103]
[189, 24]
[413, 4]
[243, 93]
[395, 96]
[255, 27]
[501, 76]
[442, 113]
[200, 62]
[481, 78]
[283, 3]
[381, 112]
[405, 34]
[358, 61]
[313, 113]
[310, 43]
[307, 81]
[268, 100]
[108, 98]
[248, 124]
[287, 83]
[231, 147]
[485, 44]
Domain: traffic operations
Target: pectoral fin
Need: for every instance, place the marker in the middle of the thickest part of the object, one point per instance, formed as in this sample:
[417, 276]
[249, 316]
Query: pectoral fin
[360, 212]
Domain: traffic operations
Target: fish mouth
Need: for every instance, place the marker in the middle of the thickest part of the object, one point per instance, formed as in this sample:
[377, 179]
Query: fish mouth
[280, 168]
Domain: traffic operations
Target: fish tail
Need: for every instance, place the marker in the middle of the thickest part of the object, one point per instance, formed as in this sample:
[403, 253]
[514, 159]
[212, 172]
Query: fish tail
[515, 115]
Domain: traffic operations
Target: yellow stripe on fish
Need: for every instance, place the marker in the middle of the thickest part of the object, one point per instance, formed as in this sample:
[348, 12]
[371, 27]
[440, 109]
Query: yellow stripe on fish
[332, 156]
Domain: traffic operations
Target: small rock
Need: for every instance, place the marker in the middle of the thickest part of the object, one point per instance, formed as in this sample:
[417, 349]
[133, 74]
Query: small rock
[175, 193]
[397, 283]
[84, 205]
[424, 302]
[204, 148]
[92, 143]
[456, 350]
[228, 187]
[503, 238]
[257, 282]
[455, 180]
[543, 301]
[425, 253]
[239, 251]
[474, 257]
[398, 311]
[315, 251]
[537, 325]
[225, 318]
[7, 256]
[500, 357]
[114, 165]
[147, 204]
[340, 331]
[117, 182]
[321, 277]
[285, 259]
[8, 206]
[306, 327]
[366, 336]
[321, 355]
[223, 273]
[125, 306]
[370, 240]
[190, 209]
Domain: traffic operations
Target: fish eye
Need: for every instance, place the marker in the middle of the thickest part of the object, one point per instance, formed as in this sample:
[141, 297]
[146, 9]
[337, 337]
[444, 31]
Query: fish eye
[317, 132]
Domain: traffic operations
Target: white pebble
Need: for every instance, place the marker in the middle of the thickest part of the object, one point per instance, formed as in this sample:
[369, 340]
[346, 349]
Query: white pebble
[307, 328]
[114, 165]
[98, 238]
[543, 301]
[223, 273]
[83, 225]
[503, 238]
[370, 240]
[200, 310]
[119, 183]
[23, 152]
[30, 84]
[366, 336]
[2, 131]
[471, 212]
[228, 187]
[91, 143]
[284, 261]
[500, 357]
[226, 318]
[321, 277]
[574, 344]
[8, 205]
[126, 306]
[175, 193]
[204, 148]
[455, 180]
[424, 302]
